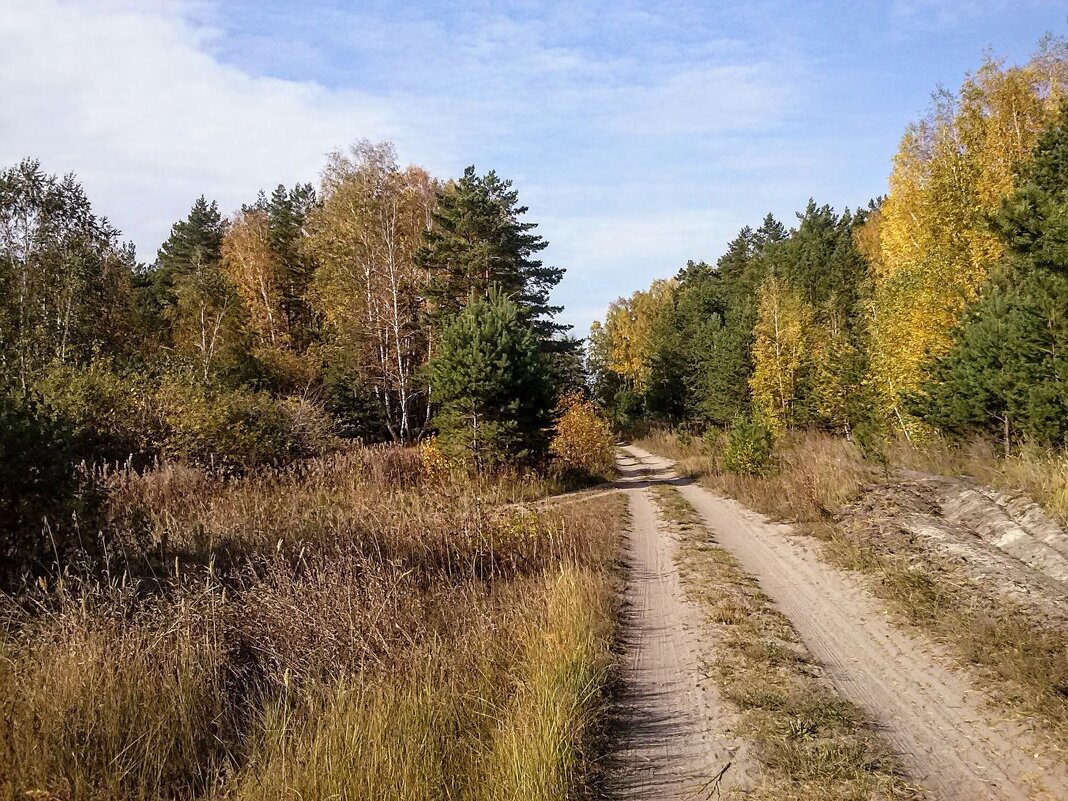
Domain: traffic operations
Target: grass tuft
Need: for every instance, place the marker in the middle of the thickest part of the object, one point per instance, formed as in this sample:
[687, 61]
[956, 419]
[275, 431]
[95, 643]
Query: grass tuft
[345, 629]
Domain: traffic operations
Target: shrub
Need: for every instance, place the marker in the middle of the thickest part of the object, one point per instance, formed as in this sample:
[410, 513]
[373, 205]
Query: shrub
[583, 442]
[39, 480]
[749, 445]
[240, 428]
[112, 416]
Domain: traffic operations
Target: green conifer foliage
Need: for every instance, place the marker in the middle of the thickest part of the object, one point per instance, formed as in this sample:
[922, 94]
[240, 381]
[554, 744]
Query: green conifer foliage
[491, 385]
[478, 242]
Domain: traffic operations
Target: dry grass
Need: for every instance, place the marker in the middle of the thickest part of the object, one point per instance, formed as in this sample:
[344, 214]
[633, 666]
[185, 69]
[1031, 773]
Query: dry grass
[682, 448]
[346, 629]
[815, 474]
[811, 743]
[1023, 660]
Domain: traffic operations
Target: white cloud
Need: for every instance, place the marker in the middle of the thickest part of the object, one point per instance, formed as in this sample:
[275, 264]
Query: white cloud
[712, 99]
[601, 244]
[125, 95]
[939, 14]
[611, 256]
[153, 102]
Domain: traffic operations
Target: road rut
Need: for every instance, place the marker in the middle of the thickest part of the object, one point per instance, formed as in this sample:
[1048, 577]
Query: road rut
[675, 730]
[931, 714]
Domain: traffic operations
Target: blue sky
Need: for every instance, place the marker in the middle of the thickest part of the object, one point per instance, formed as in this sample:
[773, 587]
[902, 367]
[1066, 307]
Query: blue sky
[640, 134]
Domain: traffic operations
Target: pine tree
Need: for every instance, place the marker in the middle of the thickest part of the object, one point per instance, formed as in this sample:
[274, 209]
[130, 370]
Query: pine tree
[1006, 372]
[490, 382]
[193, 241]
[1033, 221]
[478, 241]
[191, 300]
[287, 212]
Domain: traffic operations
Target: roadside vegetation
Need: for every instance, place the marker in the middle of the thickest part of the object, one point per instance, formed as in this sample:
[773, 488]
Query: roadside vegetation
[937, 311]
[260, 524]
[812, 368]
[825, 487]
[810, 742]
[352, 627]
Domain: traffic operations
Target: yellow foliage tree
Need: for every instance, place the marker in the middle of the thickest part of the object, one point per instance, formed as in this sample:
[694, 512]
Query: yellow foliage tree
[256, 271]
[583, 441]
[935, 247]
[783, 345]
[628, 332]
[368, 289]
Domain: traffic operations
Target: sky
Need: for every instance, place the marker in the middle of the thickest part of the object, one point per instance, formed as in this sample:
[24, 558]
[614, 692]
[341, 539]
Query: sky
[640, 135]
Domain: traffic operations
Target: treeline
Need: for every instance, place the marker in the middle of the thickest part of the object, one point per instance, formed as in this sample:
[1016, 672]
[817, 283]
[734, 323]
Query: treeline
[384, 305]
[939, 307]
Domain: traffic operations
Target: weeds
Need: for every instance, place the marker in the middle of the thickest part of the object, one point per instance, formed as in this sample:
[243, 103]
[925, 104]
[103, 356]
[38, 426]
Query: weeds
[1023, 660]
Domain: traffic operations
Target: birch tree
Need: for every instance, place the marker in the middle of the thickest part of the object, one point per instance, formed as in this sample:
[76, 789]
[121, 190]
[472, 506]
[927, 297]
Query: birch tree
[368, 288]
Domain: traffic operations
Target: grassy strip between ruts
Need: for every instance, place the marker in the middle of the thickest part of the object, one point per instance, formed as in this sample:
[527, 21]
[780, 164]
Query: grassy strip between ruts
[810, 742]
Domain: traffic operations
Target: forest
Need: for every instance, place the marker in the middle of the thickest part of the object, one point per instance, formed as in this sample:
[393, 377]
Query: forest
[304, 320]
[243, 482]
[936, 310]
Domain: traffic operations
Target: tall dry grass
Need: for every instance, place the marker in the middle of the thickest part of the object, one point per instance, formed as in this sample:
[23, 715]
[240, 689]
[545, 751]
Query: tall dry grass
[348, 628]
[815, 474]
[1040, 473]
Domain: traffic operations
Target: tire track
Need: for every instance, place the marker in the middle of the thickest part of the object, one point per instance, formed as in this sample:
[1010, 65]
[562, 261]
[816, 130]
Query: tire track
[675, 730]
[931, 714]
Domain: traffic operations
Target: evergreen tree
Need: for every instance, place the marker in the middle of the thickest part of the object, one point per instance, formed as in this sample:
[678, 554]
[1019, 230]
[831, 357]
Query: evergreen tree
[191, 300]
[194, 241]
[287, 213]
[1006, 372]
[478, 241]
[491, 385]
[1033, 221]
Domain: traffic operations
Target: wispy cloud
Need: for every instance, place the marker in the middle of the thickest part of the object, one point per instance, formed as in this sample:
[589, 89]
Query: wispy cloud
[935, 14]
[708, 100]
[641, 134]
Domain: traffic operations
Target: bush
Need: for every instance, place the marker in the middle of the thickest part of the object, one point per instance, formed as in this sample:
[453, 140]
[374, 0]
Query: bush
[583, 443]
[112, 416]
[240, 428]
[40, 480]
[749, 445]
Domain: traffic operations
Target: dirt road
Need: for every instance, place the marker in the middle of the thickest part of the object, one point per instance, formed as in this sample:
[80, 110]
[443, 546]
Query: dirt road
[675, 729]
[928, 712]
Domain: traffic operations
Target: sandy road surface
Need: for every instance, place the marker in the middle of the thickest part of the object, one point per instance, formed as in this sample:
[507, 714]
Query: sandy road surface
[675, 731]
[929, 713]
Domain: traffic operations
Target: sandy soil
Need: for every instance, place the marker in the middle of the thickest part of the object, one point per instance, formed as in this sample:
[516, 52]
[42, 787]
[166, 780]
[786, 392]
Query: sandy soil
[1005, 544]
[675, 739]
[931, 714]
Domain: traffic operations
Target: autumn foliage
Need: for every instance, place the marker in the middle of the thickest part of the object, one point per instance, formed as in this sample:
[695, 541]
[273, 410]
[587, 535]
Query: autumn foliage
[936, 247]
[583, 442]
[936, 308]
